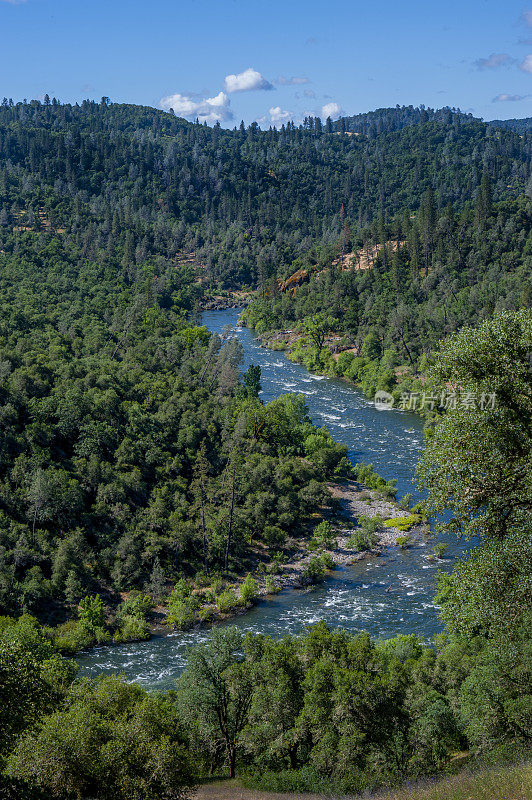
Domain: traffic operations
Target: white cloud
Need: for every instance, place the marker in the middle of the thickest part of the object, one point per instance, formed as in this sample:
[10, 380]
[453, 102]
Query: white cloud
[332, 110]
[248, 81]
[494, 61]
[14, 2]
[526, 64]
[309, 93]
[208, 109]
[278, 115]
[282, 80]
[509, 98]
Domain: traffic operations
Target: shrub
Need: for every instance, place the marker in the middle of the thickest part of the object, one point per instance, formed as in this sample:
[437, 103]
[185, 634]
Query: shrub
[132, 629]
[181, 590]
[136, 605]
[402, 541]
[182, 606]
[182, 613]
[405, 501]
[91, 612]
[249, 590]
[272, 587]
[322, 536]
[389, 489]
[327, 561]
[209, 596]
[201, 579]
[369, 524]
[303, 779]
[227, 601]
[440, 549]
[419, 508]
[403, 523]
[362, 540]
[205, 614]
[277, 560]
[71, 637]
[273, 536]
[316, 569]
[364, 473]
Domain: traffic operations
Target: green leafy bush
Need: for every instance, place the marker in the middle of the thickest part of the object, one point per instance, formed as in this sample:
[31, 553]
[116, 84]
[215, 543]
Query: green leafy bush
[271, 586]
[440, 549]
[136, 605]
[403, 541]
[182, 613]
[362, 540]
[182, 606]
[323, 537]
[132, 629]
[405, 501]
[274, 536]
[403, 523]
[315, 570]
[71, 636]
[249, 590]
[228, 601]
[365, 473]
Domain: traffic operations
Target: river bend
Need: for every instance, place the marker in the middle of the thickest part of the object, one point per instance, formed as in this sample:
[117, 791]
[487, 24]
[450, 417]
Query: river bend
[384, 595]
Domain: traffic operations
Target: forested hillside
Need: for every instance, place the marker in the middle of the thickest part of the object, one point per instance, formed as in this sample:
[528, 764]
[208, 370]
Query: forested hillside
[120, 419]
[394, 291]
[248, 202]
[137, 465]
[114, 222]
[386, 120]
[518, 125]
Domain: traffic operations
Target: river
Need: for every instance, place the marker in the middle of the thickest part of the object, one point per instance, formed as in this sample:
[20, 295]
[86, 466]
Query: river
[384, 595]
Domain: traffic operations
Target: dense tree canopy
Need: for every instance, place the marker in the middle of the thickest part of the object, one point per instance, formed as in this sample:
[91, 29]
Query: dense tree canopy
[248, 202]
[133, 455]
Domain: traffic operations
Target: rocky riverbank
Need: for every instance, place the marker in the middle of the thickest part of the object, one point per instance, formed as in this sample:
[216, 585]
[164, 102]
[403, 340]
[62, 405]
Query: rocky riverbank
[303, 565]
[223, 302]
[354, 501]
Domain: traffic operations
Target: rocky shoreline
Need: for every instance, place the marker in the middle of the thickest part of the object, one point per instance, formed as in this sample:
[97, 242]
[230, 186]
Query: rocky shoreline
[226, 302]
[353, 503]
[353, 500]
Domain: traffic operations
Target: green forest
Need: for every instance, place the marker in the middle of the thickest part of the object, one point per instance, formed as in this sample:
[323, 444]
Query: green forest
[139, 466]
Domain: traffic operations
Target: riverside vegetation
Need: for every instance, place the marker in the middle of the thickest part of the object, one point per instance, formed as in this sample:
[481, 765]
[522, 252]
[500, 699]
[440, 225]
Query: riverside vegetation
[135, 461]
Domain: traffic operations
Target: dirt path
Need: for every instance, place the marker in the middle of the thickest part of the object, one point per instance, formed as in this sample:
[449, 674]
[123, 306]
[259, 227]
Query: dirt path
[230, 790]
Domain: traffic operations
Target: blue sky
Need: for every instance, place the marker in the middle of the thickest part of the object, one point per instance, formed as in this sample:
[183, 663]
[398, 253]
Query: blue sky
[271, 60]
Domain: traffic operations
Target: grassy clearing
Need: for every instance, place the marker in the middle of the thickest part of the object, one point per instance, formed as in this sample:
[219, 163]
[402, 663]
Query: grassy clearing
[503, 783]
